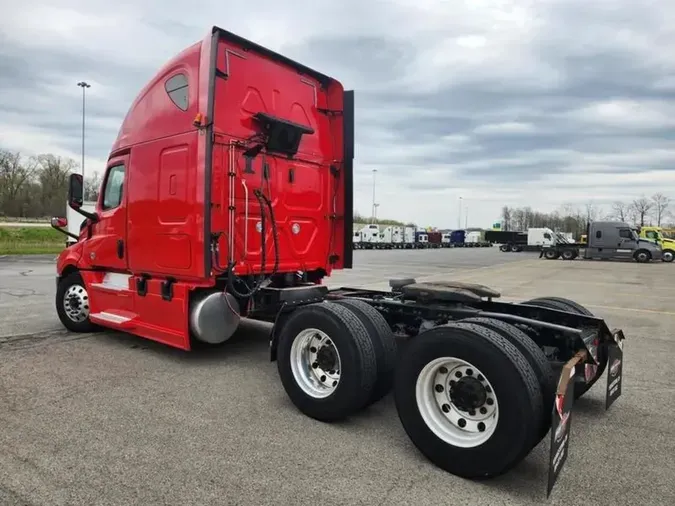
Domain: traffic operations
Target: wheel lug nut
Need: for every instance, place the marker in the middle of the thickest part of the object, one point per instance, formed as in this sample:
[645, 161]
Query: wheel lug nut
[328, 343]
[488, 389]
[323, 378]
[312, 349]
[445, 408]
[458, 374]
[481, 427]
[334, 383]
[483, 411]
[315, 365]
[453, 383]
[490, 402]
[469, 372]
[472, 412]
[480, 377]
[439, 388]
[461, 423]
[443, 370]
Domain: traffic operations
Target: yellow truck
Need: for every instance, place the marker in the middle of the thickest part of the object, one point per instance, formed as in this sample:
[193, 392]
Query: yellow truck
[657, 235]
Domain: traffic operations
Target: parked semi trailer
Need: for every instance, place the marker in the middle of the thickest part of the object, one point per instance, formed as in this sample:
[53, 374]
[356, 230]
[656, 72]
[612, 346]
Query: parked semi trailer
[480, 385]
[606, 240]
[507, 240]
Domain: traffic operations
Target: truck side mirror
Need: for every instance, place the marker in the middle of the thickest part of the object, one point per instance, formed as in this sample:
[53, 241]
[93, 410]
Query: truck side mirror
[75, 191]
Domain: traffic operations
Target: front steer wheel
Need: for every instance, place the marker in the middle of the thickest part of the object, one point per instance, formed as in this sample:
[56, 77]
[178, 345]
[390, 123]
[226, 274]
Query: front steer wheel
[326, 361]
[72, 304]
[468, 400]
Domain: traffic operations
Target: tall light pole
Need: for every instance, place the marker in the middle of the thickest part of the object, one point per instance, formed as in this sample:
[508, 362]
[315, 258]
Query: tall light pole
[374, 204]
[466, 217]
[84, 85]
[459, 218]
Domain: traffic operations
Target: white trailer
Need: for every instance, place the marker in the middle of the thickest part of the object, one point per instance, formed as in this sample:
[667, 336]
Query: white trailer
[473, 239]
[356, 239]
[409, 237]
[396, 237]
[75, 219]
[370, 236]
[388, 236]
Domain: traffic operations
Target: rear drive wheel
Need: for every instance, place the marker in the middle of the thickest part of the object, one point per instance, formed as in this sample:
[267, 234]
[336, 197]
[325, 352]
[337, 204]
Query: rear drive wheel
[504, 248]
[535, 357]
[587, 374]
[72, 304]
[668, 255]
[383, 341]
[551, 254]
[468, 400]
[326, 361]
[568, 254]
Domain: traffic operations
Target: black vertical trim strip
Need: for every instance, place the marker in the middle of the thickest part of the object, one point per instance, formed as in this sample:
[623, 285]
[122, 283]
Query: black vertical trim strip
[348, 164]
[208, 166]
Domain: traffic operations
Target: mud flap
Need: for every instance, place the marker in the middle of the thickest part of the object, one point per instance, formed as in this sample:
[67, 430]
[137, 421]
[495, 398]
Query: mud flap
[614, 369]
[561, 421]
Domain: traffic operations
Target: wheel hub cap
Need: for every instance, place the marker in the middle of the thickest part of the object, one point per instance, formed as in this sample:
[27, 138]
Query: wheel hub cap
[468, 394]
[76, 303]
[457, 402]
[315, 363]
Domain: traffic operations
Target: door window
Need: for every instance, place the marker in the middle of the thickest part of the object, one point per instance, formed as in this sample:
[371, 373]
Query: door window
[114, 184]
[625, 233]
[652, 235]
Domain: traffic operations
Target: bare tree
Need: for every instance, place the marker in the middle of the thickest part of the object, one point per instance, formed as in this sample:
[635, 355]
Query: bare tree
[15, 173]
[660, 204]
[620, 210]
[506, 217]
[54, 175]
[641, 208]
[92, 186]
[591, 212]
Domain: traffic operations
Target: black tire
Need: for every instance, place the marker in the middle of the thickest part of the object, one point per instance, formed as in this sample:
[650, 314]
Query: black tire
[504, 248]
[357, 357]
[563, 302]
[568, 254]
[514, 384]
[642, 256]
[581, 386]
[548, 382]
[551, 254]
[384, 344]
[73, 280]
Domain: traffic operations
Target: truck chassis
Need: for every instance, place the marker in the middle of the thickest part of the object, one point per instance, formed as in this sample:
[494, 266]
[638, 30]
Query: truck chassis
[465, 362]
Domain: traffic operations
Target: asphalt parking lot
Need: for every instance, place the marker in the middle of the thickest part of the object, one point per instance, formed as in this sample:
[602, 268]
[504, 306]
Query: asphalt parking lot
[110, 419]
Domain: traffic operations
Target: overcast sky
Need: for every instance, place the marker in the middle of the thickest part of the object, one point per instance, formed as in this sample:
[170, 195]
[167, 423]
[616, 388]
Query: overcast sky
[540, 103]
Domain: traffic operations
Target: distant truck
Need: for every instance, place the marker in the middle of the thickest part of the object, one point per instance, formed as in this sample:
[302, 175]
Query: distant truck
[508, 240]
[457, 238]
[74, 221]
[607, 240]
[657, 235]
[476, 239]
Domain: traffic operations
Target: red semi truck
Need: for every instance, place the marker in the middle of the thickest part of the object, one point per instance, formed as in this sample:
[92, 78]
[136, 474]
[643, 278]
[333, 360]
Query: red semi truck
[228, 194]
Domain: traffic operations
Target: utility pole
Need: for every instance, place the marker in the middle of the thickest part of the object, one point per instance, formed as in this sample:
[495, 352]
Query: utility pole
[84, 85]
[374, 204]
[466, 217]
[459, 217]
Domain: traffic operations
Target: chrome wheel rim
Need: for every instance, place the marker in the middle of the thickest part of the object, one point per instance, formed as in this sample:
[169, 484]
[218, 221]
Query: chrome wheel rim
[76, 303]
[459, 420]
[315, 363]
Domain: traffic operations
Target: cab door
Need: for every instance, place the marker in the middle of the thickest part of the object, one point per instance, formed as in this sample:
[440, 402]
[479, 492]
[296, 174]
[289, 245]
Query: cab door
[626, 244]
[107, 247]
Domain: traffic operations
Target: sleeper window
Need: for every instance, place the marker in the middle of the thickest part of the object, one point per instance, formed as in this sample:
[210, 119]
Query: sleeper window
[114, 184]
[177, 88]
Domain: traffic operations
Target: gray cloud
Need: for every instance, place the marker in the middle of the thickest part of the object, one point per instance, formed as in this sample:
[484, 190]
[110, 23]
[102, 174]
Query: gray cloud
[518, 103]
